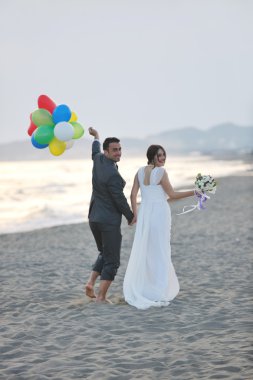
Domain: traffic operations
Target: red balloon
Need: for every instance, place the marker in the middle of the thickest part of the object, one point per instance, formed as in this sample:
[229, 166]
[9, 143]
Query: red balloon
[45, 102]
[31, 128]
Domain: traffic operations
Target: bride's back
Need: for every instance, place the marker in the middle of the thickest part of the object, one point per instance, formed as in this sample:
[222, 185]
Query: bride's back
[149, 180]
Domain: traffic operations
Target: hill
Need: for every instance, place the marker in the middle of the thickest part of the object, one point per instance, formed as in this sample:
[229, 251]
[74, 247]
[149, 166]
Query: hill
[223, 139]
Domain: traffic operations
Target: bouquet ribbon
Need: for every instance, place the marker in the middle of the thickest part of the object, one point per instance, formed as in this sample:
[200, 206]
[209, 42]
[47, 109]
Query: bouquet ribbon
[201, 199]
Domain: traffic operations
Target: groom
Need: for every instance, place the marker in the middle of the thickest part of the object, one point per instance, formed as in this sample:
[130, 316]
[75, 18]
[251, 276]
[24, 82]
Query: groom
[108, 204]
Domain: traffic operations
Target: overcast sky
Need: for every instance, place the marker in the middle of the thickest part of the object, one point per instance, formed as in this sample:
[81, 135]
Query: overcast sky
[127, 67]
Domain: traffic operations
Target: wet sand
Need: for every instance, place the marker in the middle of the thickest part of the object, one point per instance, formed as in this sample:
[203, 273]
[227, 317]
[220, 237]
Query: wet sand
[50, 330]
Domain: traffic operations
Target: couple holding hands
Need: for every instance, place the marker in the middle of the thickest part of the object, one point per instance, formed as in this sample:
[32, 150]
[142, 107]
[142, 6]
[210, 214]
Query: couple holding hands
[150, 278]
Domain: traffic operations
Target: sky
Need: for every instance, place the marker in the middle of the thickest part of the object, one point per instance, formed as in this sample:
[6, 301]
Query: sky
[129, 68]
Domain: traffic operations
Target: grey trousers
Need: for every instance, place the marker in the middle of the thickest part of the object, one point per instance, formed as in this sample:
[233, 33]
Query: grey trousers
[108, 239]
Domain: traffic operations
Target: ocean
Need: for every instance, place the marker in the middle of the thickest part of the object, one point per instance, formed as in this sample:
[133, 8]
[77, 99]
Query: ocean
[37, 194]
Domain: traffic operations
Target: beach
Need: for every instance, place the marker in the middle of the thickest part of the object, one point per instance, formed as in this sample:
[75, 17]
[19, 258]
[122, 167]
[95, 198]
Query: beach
[51, 330]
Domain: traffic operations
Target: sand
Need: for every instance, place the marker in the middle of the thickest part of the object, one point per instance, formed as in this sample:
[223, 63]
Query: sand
[50, 330]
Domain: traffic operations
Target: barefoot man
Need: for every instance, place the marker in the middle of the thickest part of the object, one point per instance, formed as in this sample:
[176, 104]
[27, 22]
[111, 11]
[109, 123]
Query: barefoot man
[108, 204]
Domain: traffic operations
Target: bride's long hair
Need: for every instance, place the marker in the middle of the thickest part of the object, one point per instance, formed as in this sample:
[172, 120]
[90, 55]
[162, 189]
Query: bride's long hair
[152, 152]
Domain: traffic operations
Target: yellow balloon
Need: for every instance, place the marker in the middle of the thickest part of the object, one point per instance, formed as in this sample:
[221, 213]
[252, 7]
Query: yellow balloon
[57, 147]
[73, 117]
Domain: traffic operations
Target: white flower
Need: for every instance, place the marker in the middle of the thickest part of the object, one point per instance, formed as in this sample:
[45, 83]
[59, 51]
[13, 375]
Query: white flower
[205, 183]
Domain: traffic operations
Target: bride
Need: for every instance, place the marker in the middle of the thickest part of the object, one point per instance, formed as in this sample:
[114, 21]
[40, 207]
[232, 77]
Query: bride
[150, 278]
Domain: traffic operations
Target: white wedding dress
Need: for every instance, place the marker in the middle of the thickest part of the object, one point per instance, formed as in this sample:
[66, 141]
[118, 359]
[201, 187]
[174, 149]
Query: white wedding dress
[150, 278]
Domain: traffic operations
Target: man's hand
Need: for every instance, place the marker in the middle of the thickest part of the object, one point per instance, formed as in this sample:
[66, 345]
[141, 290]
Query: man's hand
[94, 133]
[134, 220]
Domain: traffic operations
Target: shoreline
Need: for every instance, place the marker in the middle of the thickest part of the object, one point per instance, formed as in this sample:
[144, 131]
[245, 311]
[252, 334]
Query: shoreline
[223, 155]
[244, 173]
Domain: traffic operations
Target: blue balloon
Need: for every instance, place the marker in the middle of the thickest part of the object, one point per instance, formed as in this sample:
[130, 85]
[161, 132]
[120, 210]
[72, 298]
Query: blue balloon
[61, 113]
[37, 145]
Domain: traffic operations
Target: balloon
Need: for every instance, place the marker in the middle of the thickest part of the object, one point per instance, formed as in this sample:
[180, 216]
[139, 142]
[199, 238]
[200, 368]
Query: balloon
[64, 131]
[69, 144]
[73, 117]
[53, 126]
[37, 145]
[31, 128]
[46, 103]
[61, 113]
[78, 130]
[44, 134]
[57, 147]
[42, 117]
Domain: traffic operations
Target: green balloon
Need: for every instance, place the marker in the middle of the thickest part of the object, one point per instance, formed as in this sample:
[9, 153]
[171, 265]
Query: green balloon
[42, 117]
[44, 134]
[78, 130]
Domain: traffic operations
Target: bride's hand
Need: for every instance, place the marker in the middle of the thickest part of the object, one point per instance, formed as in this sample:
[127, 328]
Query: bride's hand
[197, 192]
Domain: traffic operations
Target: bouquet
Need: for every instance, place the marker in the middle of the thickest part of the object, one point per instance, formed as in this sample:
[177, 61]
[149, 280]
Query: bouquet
[203, 184]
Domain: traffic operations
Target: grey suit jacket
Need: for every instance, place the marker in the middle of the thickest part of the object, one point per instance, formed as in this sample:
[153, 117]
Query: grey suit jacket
[108, 202]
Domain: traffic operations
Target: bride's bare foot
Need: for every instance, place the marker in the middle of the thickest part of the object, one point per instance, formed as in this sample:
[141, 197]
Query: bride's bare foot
[89, 291]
